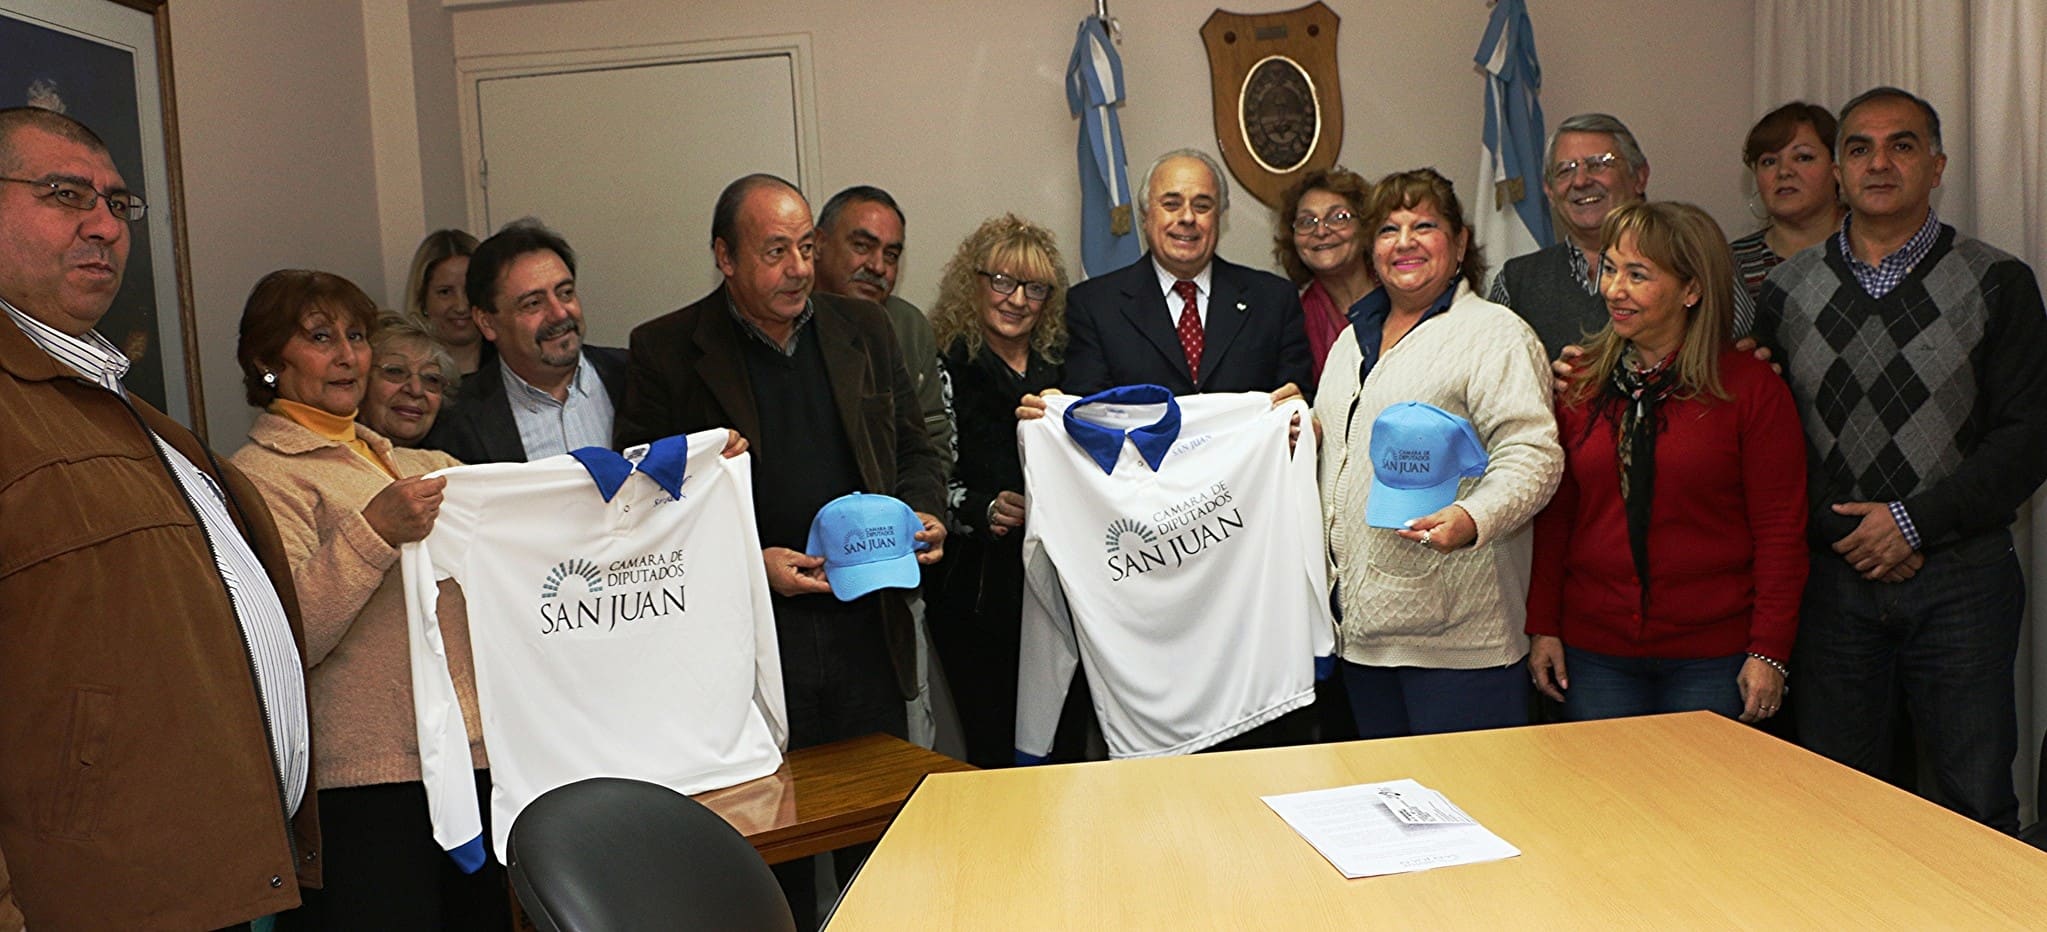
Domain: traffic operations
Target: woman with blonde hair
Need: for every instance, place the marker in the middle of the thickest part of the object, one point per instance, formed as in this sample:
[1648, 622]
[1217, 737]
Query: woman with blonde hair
[1000, 323]
[411, 377]
[1669, 565]
[436, 295]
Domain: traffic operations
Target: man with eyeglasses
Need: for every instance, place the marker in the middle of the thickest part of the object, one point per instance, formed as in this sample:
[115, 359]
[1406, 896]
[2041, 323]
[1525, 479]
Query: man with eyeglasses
[1179, 316]
[1594, 165]
[816, 385]
[153, 737]
[545, 393]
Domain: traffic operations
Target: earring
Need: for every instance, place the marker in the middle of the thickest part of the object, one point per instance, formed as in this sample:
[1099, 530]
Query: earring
[1755, 206]
[270, 379]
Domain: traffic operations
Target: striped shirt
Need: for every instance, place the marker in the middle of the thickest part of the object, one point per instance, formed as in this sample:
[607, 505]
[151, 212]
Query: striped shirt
[1753, 260]
[548, 427]
[280, 675]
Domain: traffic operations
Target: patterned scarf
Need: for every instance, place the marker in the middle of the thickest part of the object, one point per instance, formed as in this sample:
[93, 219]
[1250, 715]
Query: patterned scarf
[1640, 390]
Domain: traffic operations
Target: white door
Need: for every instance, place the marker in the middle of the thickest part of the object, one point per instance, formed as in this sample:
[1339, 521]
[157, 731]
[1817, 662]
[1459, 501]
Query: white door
[626, 161]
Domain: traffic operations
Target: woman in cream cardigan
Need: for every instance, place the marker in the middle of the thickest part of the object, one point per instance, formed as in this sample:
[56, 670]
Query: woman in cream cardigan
[1431, 636]
[345, 499]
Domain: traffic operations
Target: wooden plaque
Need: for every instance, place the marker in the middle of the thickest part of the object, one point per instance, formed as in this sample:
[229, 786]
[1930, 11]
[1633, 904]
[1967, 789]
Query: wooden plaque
[1278, 100]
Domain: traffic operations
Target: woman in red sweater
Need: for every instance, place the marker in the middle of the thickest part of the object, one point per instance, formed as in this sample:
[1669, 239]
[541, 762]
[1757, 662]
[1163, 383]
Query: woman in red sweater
[1668, 567]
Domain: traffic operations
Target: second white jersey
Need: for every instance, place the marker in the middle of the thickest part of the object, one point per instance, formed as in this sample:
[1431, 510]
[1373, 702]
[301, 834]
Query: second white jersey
[1173, 547]
[619, 619]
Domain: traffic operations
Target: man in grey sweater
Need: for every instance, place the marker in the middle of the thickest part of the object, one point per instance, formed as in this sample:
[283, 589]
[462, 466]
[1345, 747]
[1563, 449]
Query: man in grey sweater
[1914, 353]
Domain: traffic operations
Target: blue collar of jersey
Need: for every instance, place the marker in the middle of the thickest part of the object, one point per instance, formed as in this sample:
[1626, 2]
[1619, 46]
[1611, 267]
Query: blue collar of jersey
[1105, 444]
[665, 463]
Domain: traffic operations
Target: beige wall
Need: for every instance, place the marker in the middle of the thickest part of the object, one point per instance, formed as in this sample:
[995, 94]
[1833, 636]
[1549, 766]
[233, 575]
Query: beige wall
[273, 115]
[959, 108]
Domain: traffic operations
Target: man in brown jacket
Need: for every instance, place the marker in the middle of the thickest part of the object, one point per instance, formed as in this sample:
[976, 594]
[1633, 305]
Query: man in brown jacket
[153, 738]
[817, 386]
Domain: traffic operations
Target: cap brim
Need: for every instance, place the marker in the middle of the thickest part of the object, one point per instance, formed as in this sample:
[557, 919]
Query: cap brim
[855, 580]
[1389, 507]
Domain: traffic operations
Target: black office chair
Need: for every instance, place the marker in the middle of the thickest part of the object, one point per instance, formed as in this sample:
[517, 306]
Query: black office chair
[609, 853]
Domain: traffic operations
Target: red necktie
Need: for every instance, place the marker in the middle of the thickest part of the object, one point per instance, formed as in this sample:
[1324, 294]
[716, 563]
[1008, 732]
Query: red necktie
[1190, 328]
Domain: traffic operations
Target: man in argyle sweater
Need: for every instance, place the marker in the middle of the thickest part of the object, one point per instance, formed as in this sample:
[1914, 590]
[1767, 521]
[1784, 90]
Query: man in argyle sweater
[1919, 360]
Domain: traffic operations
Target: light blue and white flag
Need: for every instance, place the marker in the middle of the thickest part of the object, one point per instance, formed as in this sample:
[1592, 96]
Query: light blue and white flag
[1511, 212]
[1094, 89]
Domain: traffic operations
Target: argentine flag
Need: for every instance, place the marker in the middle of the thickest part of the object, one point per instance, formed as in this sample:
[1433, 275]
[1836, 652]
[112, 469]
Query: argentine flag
[1094, 89]
[1511, 212]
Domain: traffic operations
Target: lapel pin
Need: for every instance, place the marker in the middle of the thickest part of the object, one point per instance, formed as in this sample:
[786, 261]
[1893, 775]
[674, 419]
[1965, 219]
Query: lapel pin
[1241, 308]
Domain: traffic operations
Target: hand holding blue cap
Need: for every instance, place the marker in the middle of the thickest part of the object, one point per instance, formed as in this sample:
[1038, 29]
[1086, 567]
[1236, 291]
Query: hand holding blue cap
[1419, 452]
[868, 542]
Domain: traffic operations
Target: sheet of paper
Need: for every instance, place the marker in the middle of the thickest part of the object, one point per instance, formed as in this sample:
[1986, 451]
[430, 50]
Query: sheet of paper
[1358, 830]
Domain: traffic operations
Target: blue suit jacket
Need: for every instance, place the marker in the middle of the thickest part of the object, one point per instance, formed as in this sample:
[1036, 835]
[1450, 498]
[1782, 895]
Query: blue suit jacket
[1122, 334]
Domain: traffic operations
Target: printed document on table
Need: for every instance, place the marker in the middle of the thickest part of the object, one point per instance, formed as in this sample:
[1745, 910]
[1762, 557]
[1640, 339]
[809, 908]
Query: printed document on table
[1388, 828]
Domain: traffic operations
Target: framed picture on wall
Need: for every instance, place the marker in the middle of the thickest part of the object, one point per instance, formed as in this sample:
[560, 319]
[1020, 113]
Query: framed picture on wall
[107, 64]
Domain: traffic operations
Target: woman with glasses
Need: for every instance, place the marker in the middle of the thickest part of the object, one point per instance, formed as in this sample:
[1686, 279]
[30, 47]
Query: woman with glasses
[1316, 240]
[434, 293]
[1669, 566]
[411, 376]
[1000, 323]
[1790, 153]
[345, 499]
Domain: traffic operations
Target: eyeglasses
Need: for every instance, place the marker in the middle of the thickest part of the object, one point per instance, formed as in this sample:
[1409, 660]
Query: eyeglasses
[77, 196]
[1337, 221]
[429, 379]
[1006, 285]
[1596, 166]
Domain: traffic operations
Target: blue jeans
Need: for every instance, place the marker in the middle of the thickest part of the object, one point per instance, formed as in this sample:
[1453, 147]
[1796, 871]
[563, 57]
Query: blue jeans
[1946, 640]
[1606, 686]
[1391, 702]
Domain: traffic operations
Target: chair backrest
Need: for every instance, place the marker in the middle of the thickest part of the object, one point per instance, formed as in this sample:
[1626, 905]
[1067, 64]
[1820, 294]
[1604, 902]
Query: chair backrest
[609, 853]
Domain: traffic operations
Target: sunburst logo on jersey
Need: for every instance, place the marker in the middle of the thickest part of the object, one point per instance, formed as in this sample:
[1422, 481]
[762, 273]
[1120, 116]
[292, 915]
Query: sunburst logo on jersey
[584, 569]
[1112, 540]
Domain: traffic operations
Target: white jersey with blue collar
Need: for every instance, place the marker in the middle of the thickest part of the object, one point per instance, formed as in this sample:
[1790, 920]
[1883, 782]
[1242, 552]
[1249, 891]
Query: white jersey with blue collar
[620, 624]
[1174, 548]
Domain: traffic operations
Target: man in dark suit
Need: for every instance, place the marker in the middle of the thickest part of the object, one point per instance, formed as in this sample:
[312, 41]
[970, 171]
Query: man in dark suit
[1182, 318]
[817, 386]
[544, 392]
[1179, 316]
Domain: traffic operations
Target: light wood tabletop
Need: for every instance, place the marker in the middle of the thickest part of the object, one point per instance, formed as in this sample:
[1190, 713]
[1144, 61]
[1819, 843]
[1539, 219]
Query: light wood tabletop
[1675, 821]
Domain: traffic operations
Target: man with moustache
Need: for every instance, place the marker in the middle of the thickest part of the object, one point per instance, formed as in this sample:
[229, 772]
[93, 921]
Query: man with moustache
[154, 747]
[1179, 316]
[1594, 166]
[816, 385]
[1914, 353]
[544, 393]
[859, 250]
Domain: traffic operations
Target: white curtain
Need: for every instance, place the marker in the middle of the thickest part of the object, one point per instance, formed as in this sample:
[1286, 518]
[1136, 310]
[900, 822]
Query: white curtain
[1981, 64]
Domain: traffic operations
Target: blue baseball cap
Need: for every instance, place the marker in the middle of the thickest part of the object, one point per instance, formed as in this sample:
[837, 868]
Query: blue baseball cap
[1419, 451]
[868, 543]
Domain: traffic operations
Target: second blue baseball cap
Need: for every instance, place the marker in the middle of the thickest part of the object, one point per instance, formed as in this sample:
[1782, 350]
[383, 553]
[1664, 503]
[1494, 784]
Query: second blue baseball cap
[1419, 452]
[868, 543]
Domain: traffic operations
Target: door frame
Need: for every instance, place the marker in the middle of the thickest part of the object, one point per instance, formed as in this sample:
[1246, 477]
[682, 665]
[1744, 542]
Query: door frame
[472, 70]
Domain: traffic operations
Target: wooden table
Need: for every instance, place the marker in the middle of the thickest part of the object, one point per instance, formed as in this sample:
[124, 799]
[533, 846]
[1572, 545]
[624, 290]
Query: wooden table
[827, 797]
[1678, 821]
